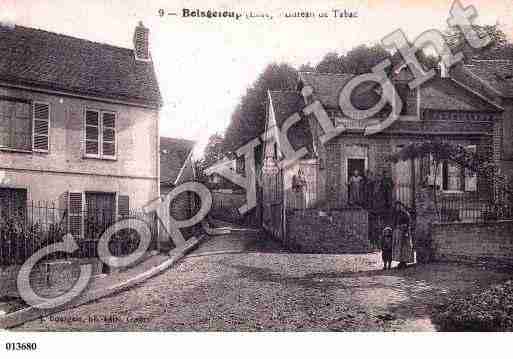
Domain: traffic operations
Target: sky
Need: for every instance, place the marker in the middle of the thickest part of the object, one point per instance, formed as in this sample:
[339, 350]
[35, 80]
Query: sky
[204, 66]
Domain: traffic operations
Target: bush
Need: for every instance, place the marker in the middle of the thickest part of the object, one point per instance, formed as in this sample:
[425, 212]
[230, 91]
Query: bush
[19, 238]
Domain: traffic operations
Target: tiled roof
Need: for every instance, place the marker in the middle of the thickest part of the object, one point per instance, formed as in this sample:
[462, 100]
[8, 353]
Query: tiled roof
[445, 94]
[39, 58]
[327, 88]
[497, 74]
[285, 104]
[173, 154]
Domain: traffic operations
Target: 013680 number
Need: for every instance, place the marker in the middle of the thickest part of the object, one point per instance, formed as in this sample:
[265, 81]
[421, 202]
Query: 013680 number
[20, 346]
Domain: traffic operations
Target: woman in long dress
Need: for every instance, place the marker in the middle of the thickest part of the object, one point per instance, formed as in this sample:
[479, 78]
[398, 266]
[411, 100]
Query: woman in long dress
[403, 246]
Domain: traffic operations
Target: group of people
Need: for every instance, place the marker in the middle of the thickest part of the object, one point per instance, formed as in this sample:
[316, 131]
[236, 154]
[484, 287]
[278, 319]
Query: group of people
[397, 244]
[369, 190]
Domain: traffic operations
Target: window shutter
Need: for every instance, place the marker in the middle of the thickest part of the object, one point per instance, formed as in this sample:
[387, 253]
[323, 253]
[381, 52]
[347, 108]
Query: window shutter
[41, 127]
[75, 214]
[92, 133]
[123, 206]
[108, 134]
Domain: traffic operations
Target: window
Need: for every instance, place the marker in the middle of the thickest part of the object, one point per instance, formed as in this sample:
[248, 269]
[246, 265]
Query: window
[451, 177]
[91, 213]
[41, 126]
[13, 203]
[23, 126]
[100, 134]
[100, 213]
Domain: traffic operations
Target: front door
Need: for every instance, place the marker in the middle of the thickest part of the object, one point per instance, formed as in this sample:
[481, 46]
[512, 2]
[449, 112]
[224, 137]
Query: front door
[355, 164]
[100, 213]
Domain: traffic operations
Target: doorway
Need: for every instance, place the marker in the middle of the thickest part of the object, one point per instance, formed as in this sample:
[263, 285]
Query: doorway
[353, 164]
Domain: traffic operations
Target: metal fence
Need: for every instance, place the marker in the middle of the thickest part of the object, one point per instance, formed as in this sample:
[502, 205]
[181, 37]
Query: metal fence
[25, 230]
[464, 208]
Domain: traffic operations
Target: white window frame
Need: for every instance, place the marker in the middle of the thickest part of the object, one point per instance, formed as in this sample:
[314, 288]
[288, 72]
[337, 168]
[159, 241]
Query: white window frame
[100, 154]
[34, 124]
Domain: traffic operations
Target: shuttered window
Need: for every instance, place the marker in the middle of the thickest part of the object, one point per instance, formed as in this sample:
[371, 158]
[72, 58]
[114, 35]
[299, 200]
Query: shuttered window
[75, 214]
[15, 124]
[123, 206]
[41, 126]
[100, 134]
[92, 133]
[108, 134]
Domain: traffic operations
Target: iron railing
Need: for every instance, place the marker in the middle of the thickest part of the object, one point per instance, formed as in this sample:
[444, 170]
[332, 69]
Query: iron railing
[26, 230]
[464, 208]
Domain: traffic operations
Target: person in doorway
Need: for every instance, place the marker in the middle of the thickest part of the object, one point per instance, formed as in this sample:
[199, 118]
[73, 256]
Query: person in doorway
[355, 188]
[387, 247]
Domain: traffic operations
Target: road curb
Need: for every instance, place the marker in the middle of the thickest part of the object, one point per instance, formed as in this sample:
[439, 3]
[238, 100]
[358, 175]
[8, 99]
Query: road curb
[19, 317]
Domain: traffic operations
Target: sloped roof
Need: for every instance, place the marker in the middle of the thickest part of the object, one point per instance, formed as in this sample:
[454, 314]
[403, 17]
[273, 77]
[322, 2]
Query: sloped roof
[445, 94]
[48, 60]
[286, 104]
[498, 74]
[327, 88]
[173, 154]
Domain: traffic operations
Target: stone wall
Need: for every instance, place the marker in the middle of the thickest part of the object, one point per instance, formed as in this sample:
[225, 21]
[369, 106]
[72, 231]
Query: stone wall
[491, 242]
[338, 231]
[225, 207]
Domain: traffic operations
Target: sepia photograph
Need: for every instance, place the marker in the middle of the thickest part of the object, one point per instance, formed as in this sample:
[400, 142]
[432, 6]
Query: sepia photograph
[294, 166]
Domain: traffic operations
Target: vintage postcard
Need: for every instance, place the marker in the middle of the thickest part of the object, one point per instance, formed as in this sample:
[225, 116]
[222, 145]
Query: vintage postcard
[243, 166]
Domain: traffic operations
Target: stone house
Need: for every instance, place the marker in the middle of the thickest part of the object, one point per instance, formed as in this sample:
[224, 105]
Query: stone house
[442, 108]
[79, 124]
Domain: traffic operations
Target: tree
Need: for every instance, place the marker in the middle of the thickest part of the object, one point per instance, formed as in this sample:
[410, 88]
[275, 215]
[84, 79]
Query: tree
[358, 60]
[361, 59]
[331, 63]
[248, 119]
[212, 154]
[499, 47]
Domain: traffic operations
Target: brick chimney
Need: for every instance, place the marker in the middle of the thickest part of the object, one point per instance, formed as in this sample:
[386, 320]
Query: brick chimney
[141, 42]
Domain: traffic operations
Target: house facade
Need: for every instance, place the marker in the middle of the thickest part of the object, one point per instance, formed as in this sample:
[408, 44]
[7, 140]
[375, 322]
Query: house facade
[79, 124]
[493, 79]
[441, 109]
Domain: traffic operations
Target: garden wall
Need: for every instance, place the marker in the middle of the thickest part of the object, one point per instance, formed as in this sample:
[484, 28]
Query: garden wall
[490, 242]
[336, 231]
[225, 207]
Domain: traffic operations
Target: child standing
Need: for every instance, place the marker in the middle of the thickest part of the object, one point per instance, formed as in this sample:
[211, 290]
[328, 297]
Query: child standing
[386, 247]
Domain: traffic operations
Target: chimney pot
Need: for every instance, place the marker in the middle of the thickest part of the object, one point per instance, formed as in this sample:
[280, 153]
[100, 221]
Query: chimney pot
[141, 42]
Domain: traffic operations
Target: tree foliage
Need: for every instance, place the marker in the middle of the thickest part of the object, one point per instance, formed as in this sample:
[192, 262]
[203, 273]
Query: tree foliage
[214, 152]
[498, 48]
[248, 119]
[357, 61]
